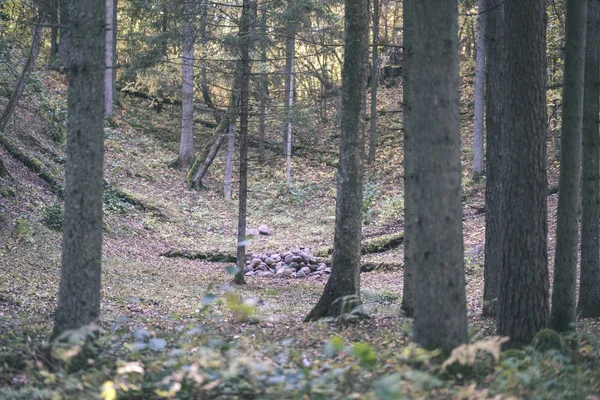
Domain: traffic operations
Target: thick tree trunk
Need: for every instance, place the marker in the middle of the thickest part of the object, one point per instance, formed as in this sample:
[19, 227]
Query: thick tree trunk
[567, 225]
[36, 42]
[264, 84]
[246, 39]
[408, 291]
[374, 83]
[186, 143]
[342, 291]
[589, 282]
[523, 307]
[494, 34]
[79, 290]
[479, 90]
[229, 160]
[110, 63]
[65, 25]
[433, 176]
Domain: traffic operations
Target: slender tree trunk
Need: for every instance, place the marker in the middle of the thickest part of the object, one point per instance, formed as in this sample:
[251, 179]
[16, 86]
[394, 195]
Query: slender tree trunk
[115, 95]
[65, 24]
[479, 90]
[186, 143]
[229, 160]
[246, 40]
[567, 225]
[290, 60]
[36, 42]
[408, 291]
[523, 307]
[53, 13]
[79, 289]
[589, 285]
[201, 165]
[264, 84]
[342, 291]
[433, 176]
[374, 83]
[110, 63]
[494, 82]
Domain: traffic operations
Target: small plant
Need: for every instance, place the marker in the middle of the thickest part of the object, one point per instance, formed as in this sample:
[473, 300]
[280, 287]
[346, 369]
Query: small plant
[22, 229]
[371, 191]
[53, 217]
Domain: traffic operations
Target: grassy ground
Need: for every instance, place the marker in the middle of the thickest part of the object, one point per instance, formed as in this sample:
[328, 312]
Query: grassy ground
[176, 328]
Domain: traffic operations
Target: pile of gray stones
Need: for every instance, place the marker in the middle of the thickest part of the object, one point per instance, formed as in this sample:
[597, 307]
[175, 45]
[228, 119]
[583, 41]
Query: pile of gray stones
[286, 264]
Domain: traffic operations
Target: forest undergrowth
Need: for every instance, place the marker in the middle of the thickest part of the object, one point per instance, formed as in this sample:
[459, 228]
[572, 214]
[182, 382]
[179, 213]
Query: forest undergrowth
[178, 328]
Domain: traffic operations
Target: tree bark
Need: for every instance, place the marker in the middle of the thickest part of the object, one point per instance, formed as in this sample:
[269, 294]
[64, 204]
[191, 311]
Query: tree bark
[110, 63]
[264, 84]
[374, 83]
[186, 143]
[479, 90]
[433, 176]
[246, 43]
[36, 42]
[345, 277]
[408, 291]
[589, 286]
[229, 160]
[523, 308]
[53, 13]
[494, 82]
[79, 289]
[65, 26]
[290, 54]
[567, 225]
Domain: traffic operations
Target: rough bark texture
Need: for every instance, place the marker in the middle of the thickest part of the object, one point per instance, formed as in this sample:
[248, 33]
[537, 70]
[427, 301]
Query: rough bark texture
[246, 42]
[79, 290]
[115, 94]
[433, 176]
[374, 83]
[494, 34]
[345, 277]
[523, 308]
[63, 46]
[479, 89]
[186, 142]
[567, 225]
[264, 84]
[229, 160]
[110, 64]
[36, 42]
[589, 286]
[408, 290]
[290, 61]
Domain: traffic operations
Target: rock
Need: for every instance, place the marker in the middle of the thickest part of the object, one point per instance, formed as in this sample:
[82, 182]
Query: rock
[270, 253]
[300, 274]
[288, 272]
[327, 270]
[295, 252]
[306, 270]
[321, 267]
[276, 258]
[248, 268]
[297, 259]
[288, 259]
[269, 261]
[263, 274]
[313, 267]
[294, 265]
[279, 273]
[312, 260]
[255, 263]
[304, 258]
[262, 267]
[265, 230]
[252, 232]
[280, 265]
[250, 273]
[307, 251]
[302, 264]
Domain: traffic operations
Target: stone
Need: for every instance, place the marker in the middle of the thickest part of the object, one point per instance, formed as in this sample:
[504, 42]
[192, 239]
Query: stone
[252, 232]
[306, 270]
[321, 267]
[304, 258]
[294, 265]
[297, 259]
[312, 260]
[250, 273]
[255, 263]
[288, 259]
[261, 267]
[288, 272]
[300, 274]
[313, 267]
[302, 264]
[327, 270]
[280, 265]
[265, 230]
[263, 274]
[269, 261]
[248, 268]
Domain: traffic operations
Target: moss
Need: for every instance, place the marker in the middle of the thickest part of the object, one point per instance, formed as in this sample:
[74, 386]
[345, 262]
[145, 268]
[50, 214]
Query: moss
[513, 353]
[7, 192]
[383, 243]
[548, 339]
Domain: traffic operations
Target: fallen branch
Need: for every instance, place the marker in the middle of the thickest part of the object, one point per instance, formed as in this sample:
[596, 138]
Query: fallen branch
[377, 245]
[192, 255]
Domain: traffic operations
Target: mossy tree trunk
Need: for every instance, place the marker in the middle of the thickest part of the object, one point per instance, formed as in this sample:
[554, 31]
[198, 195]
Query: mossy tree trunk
[567, 225]
[345, 276]
[589, 287]
[79, 289]
[433, 176]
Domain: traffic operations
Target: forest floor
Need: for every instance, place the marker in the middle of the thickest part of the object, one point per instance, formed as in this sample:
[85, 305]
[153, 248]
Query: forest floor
[177, 328]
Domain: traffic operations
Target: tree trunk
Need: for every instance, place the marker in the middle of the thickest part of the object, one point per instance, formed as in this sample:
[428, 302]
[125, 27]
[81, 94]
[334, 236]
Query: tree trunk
[79, 290]
[494, 34]
[36, 42]
[229, 160]
[408, 291]
[341, 292]
[589, 282]
[290, 54]
[53, 13]
[186, 143]
[264, 84]
[201, 165]
[479, 90]
[246, 39]
[114, 48]
[65, 24]
[433, 176]
[523, 308]
[110, 63]
[567, 225]
[374, 83]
